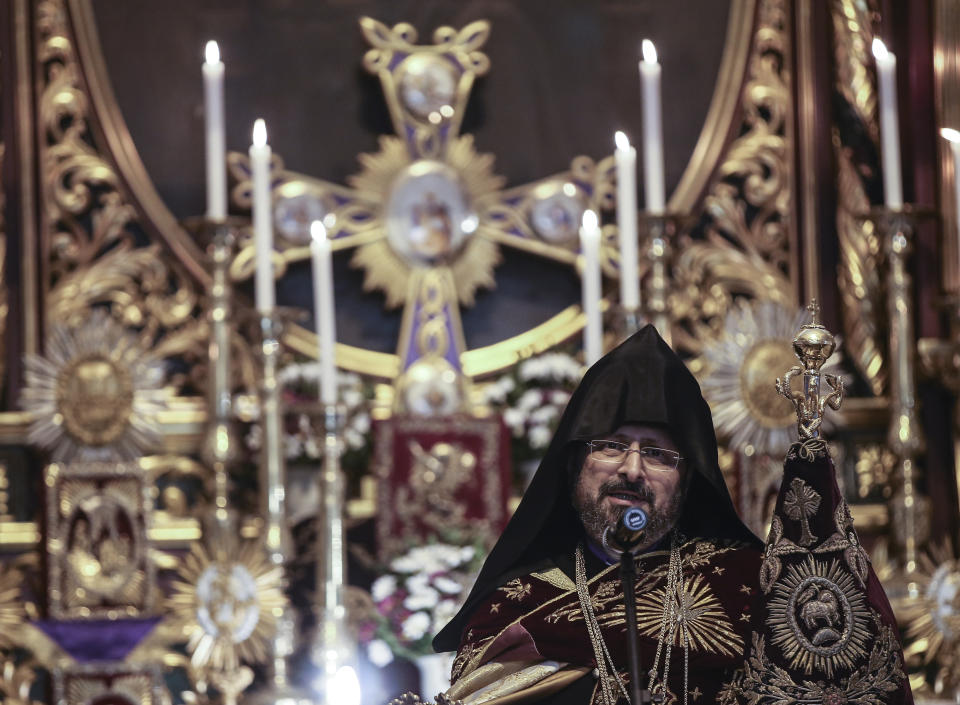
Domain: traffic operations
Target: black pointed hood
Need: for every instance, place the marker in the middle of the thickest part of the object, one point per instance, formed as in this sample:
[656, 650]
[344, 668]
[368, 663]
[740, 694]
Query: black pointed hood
[640, 381]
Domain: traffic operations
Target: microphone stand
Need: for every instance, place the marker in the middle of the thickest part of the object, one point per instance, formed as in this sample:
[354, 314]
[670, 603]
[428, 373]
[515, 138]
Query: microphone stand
[628, 575]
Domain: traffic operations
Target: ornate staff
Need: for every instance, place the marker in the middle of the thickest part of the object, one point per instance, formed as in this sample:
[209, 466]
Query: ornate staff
[813, 345]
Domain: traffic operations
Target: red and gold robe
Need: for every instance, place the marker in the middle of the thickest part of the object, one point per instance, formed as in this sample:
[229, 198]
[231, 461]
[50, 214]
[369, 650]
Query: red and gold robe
[804, 620]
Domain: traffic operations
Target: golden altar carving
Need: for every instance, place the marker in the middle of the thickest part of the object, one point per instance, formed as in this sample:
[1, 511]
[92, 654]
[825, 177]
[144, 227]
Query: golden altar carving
[95, 199]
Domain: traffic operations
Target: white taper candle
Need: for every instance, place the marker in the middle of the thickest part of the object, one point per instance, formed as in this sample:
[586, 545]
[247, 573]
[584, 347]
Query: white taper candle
[213, 112]
[264, 286]
[653, 171]
[590, 248]
[323, 310]
[889, 124]
[953, 137]
[626, 158]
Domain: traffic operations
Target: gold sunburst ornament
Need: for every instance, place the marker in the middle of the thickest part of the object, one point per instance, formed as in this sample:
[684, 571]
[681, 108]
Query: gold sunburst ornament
[932, 622]
[429, 218]
[95, 394]
[754, 348]
[225, 601]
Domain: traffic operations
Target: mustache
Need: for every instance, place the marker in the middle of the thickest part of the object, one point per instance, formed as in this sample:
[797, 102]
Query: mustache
[623, 485]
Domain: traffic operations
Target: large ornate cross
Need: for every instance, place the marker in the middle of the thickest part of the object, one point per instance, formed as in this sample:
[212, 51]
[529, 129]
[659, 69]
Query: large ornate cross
[426, 215]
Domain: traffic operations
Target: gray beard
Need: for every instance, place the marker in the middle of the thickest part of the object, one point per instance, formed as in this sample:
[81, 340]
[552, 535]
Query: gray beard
[596, 519]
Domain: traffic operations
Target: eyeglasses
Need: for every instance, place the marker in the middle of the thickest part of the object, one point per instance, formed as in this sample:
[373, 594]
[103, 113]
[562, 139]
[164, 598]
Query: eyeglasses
[652, 458]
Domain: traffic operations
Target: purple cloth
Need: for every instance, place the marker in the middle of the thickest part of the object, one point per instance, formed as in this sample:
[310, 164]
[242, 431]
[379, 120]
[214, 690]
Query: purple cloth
[98, 639]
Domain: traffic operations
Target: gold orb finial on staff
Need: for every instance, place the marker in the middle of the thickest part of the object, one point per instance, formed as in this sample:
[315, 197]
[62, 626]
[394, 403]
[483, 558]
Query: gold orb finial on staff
[813, 345]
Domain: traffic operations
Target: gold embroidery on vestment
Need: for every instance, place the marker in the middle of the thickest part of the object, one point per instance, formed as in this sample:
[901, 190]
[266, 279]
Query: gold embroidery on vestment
[819, 618]
[516, 589]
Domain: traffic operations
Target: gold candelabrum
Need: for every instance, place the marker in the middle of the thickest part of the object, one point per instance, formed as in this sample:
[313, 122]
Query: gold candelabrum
[658, 230]
[220, 443]
[333, 647]
[276, 537]
[904, 437]
[813, 345]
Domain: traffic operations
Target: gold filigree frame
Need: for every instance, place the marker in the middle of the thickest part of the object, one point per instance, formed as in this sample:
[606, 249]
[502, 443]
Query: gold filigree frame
[435, 502]
[99, 562]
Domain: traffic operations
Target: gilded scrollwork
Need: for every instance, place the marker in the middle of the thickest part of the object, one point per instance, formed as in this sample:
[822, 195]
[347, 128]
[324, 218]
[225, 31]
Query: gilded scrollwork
[859, 273]
[91, 228]
[853, 34]
[746, 246]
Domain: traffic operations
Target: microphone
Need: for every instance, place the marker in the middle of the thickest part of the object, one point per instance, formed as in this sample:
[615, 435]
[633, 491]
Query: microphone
[629, 532]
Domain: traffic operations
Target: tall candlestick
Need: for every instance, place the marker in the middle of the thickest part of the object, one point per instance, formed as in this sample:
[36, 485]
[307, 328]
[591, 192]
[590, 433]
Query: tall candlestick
[215, 133]
[590, 247]
[324, 321]
[953, 137]
[889, 124]
[262, 218]
[653, 177]
[626, 157]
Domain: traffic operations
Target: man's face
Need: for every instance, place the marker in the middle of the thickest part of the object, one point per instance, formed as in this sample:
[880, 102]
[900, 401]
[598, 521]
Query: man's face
[605, 489]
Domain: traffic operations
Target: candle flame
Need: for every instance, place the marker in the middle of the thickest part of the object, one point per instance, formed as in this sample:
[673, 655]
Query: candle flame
[880, 49]
[212, 52]
[950, 134]
[589, 220]
[649, 51]
[318, 231]
[621, 140]
[259, 133]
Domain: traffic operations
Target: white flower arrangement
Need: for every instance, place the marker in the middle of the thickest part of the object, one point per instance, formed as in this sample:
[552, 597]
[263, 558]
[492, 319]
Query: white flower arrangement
[531, 399]
[420, 592]
[300, 381]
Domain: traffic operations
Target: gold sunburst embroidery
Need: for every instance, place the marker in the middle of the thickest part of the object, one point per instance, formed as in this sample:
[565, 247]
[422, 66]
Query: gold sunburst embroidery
[699, 611]
[818, 617]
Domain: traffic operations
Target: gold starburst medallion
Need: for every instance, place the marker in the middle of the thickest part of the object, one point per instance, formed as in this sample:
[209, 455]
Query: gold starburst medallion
[226, 601]
[95, 394]
[429, 218]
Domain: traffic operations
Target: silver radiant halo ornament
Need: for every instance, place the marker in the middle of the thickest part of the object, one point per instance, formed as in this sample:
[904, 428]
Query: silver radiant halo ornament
[95, 394]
